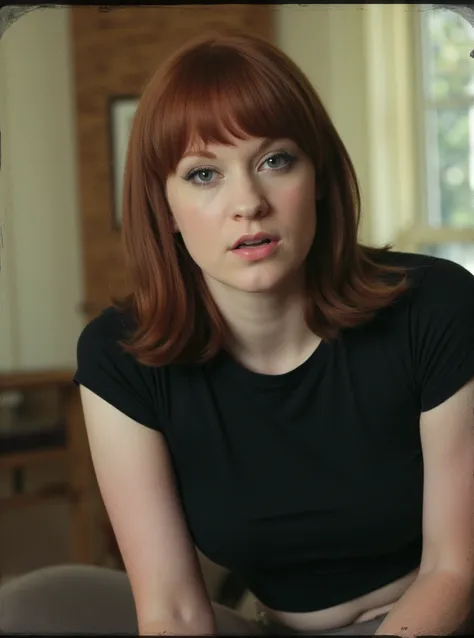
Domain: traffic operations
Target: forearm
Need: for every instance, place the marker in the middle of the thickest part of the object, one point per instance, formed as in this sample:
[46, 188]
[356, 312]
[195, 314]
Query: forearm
[437, 604]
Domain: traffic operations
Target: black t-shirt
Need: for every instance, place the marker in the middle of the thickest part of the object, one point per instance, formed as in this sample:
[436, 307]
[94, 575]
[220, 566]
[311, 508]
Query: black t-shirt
[306, 484]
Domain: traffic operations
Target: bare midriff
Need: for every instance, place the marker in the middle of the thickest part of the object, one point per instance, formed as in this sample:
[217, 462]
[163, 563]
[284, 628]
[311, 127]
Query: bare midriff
[360, 609]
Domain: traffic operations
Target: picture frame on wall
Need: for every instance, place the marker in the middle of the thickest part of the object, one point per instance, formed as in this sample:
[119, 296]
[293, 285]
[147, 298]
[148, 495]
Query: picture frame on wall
[121, 113]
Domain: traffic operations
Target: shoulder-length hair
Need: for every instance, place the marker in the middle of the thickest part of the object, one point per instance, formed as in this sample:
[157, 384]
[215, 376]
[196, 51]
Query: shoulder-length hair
[245, 86]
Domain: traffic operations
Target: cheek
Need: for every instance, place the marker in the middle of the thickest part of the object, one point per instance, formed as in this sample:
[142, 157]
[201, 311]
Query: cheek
[195, 223]
[183, 207]
[184, 212]
[197, 229]
[191, 209]
[298, 203]
[301, 197]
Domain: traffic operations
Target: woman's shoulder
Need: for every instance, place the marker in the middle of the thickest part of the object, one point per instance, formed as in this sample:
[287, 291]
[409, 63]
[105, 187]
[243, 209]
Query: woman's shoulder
[416, 264]
[102, 343]
[439, 290]
[110, 327]
[437, 323]
[101, 352]
[106, 368]
[430, 275]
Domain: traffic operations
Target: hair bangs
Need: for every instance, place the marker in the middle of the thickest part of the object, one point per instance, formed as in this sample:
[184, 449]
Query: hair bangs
[212, 98]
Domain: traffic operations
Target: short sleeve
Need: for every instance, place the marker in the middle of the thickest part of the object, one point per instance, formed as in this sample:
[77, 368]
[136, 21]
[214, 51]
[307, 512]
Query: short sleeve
[442, 332]
[114, 375]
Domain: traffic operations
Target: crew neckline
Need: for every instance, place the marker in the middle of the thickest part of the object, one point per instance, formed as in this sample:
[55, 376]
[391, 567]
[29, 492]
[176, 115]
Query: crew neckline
[271, 381]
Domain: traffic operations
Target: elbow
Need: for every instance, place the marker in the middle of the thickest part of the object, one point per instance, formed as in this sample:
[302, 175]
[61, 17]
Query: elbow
[456, 566]
[174, 609]
[179, 623]
[457, 580]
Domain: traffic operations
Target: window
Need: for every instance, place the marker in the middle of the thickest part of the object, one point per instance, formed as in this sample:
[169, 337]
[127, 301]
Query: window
[446, 223]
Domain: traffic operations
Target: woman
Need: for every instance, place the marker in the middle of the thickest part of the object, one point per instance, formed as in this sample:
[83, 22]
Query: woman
[296, 405]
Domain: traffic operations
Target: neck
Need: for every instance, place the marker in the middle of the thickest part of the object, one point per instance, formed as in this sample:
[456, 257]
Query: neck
[269, 331]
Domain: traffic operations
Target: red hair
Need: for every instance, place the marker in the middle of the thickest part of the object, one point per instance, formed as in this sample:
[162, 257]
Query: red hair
[241, 85]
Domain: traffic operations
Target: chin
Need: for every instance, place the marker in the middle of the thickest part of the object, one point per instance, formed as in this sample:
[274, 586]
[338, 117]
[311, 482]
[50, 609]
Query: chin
[263, 282]
[269, 279]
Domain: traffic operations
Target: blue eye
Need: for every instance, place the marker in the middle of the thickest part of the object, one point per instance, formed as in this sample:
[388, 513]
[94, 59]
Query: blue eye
[204, 174]
[280, 161]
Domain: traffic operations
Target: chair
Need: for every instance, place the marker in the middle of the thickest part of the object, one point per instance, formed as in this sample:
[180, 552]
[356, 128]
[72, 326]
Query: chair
[68, 599]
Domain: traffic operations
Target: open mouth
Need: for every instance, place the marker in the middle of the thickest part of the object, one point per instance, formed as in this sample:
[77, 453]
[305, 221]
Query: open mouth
[249, 244]
[256, 249]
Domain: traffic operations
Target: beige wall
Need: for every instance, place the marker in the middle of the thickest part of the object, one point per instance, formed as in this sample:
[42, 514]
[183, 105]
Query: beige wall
[7, 336]
[40, 281]
[327, 41]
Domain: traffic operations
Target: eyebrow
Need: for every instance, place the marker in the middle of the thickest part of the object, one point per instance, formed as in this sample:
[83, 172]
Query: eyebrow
[204, 153]
[197, 153]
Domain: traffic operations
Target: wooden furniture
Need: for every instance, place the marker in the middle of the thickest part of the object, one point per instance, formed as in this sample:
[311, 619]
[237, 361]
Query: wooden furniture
[25, 445]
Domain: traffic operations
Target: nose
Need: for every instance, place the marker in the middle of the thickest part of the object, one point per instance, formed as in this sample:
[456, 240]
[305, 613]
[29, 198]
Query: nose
[248, 200]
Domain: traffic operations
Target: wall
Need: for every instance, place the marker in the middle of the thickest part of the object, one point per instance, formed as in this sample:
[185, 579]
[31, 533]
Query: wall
[41, 283]
[7, 335]
[327, 41]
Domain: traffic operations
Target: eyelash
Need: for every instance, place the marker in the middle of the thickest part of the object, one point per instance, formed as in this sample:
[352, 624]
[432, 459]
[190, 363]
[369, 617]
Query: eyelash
[290, 160]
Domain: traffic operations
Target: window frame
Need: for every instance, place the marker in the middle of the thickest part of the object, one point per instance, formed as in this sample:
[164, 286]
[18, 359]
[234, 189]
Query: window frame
[422, 232]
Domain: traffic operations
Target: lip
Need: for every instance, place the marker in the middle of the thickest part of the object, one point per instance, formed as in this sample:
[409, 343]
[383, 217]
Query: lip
[257, 237]
[256, 253]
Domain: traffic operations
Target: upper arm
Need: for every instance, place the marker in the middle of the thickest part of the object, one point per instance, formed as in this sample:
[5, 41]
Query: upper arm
[443, 321]
[447, 436]
[135, 478]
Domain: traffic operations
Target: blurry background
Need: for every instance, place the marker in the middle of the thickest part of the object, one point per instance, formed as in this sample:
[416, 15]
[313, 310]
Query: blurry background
[399, 84]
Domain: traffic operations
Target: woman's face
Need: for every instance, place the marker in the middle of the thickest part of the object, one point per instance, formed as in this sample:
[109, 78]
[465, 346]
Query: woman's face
[220, 193]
